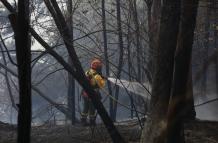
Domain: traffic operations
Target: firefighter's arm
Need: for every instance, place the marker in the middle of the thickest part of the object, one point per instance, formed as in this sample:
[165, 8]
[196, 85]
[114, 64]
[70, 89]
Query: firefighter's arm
[100, 81]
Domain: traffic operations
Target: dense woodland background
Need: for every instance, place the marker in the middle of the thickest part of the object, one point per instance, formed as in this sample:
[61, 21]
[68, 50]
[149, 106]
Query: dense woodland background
[168, 47]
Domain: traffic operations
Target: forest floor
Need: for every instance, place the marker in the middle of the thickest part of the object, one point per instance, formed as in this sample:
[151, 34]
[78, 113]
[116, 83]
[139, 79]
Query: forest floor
[195, 132]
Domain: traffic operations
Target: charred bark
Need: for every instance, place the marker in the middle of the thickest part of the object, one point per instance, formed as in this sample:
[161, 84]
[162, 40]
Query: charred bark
[181, 101]
[154, 12]
[155, 126]
[23, 53]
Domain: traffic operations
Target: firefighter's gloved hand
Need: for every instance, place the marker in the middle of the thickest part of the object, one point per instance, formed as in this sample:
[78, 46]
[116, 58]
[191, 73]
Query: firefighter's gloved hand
[99, 80]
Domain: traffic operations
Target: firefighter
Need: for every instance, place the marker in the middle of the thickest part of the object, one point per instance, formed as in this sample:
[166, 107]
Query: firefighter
[97, 81]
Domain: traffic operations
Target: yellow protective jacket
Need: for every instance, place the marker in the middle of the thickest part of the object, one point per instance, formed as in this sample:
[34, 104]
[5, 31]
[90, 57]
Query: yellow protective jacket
[96, 80]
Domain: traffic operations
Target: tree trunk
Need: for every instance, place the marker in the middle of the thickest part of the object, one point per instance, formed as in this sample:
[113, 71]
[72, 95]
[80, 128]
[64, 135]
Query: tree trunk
[154, 12]
[155, 126]
[23, 54]
[71, 81]
[106, 58]
[205, 52]
[129, 58]
[215, 4]
[138, 45]
[140, 101]
[190, 113]
[120, 64]
[181, 101]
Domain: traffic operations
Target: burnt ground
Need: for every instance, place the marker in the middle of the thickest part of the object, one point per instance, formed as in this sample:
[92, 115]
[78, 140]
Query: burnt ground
[195, 132]
[201, 132]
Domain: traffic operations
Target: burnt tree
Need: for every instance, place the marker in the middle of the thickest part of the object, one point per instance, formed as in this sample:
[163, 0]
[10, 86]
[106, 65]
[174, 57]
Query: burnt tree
[163, 59]
[23, 53]
[153, 12]
[181, 101]
[215, 26]
[71, 81]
